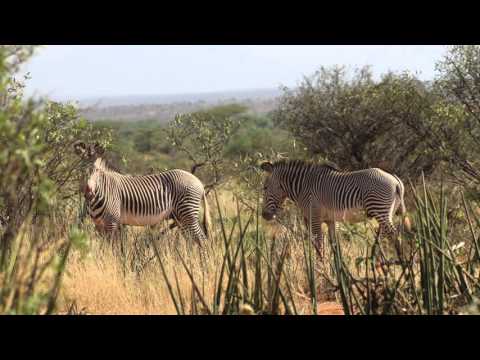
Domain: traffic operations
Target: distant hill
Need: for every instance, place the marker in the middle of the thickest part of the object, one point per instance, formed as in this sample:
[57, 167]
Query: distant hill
[211, 97]
[163, 108]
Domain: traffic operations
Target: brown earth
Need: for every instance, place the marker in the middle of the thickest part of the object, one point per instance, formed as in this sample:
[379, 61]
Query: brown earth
[330, 308]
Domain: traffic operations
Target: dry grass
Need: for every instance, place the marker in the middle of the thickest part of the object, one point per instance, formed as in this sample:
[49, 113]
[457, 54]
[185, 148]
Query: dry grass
[102, 280]
[111, 282]
[100, 284]
[129, 279]
[96, 285]
[106, 282]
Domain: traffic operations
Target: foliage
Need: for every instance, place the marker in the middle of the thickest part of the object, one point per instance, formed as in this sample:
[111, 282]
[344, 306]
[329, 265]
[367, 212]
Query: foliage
[36, 172]
[450, 126]
[397, 123]
[140, 147]
[23, 186]
[458, 84]
[256, 134]
[203, 136]
[36, 138]
[252, 278]
[358, 122]
[436, 276]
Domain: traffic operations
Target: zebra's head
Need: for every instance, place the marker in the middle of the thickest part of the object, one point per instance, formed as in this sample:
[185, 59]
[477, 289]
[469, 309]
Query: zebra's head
[90, 153]
[273, 193]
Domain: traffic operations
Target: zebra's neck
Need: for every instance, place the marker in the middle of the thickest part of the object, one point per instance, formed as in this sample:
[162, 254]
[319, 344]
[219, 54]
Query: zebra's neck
[103, 165]
[296, 175]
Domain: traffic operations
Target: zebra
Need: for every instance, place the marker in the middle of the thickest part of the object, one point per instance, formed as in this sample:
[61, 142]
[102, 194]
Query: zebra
[332, 195]
[115, 199]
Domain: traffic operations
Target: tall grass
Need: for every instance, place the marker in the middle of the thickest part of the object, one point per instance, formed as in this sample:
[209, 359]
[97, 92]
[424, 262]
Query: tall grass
[248, 275]
[250, 267]
[31, 276]
[438, 274]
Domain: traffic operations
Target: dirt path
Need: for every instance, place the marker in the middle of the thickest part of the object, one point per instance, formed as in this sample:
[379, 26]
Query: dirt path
[329, 308]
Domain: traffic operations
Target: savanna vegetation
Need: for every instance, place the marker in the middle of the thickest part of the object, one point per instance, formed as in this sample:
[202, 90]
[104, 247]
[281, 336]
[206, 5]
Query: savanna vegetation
[52, 261]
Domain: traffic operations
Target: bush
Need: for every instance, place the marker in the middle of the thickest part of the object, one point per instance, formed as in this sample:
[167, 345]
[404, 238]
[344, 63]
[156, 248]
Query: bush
[38, 178]
[458, 114]
[203, 137]
[257, 134]
[358, 122]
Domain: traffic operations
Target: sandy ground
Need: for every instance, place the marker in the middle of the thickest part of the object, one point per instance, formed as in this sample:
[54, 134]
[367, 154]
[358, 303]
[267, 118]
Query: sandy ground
[330, 308]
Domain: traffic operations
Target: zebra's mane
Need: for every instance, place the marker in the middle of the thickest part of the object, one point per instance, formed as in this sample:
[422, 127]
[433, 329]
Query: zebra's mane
[103, 164]
[306, 163]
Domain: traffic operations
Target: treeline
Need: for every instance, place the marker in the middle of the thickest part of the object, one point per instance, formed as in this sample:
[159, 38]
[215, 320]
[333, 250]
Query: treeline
[395, 122]
[236, 132]
[165, 112]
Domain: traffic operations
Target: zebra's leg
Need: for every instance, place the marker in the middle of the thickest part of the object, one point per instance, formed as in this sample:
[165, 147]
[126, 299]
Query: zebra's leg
[100, 228]
[119, 237]
[388, 230]
[201, 239]
[394, 236]
[377, 251]
[332, 228]
[191, 229]
[318, 242]
[392, 232]
[317, 233]
[113, 235]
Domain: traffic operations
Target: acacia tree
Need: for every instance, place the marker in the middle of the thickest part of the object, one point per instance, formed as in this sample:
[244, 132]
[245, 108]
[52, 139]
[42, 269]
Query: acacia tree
[358, 122]
[203, 137]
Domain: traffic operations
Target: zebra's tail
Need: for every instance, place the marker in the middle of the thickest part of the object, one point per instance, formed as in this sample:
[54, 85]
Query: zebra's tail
[401, 194]
[206, 216]
[403, 209]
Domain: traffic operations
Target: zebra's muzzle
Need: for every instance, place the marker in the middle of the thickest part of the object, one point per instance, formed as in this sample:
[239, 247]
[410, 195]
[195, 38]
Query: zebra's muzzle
[89, 195]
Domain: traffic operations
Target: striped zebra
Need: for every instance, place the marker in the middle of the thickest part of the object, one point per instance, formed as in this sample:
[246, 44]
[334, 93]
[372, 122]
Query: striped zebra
[331, 195]
[141, 200]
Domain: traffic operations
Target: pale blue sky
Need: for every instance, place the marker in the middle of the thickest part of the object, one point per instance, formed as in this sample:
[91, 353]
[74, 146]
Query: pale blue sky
[75, 72]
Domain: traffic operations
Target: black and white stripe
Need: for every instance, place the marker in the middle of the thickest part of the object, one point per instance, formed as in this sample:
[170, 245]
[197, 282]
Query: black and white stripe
[330, 194]
[114, 198]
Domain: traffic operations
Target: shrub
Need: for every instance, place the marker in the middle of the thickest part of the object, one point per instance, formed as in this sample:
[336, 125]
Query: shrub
[37, 173]
[358, 122]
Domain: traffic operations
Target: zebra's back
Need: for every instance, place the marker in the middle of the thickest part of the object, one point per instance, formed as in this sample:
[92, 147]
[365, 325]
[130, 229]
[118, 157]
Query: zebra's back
[343, 196]
[150, 199]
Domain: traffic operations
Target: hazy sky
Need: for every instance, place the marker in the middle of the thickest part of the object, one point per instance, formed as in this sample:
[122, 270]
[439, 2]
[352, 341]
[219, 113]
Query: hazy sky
[76, 72]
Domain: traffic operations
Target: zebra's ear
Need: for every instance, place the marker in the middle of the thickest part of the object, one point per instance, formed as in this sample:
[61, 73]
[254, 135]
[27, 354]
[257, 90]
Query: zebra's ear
[99, 149]
[267, 166]
[80, 148]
